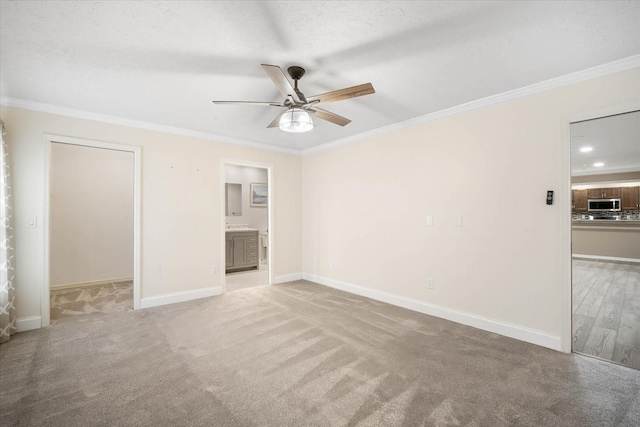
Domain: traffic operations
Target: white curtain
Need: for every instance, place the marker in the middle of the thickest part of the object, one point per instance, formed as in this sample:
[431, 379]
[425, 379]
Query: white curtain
[7, 262]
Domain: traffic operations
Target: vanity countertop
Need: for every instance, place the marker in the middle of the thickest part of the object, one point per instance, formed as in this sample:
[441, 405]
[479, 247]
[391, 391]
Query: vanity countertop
[235, 230]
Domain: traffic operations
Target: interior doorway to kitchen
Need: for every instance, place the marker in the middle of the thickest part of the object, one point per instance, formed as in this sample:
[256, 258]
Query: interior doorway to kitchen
[605, 231]
[247, 225]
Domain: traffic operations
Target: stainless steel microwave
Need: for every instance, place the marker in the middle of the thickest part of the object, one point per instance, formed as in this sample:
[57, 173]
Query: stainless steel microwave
[604, 205]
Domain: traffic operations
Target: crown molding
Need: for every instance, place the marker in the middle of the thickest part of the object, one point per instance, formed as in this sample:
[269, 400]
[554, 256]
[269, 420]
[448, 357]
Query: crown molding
[566, 80]
[88, 115]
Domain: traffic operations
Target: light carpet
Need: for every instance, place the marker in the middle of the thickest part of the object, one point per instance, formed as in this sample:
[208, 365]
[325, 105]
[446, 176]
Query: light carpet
[299, 354]
[105, 298]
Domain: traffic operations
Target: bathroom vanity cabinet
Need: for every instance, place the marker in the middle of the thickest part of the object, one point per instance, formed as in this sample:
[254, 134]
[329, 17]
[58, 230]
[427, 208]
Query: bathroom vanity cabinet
[241, 250]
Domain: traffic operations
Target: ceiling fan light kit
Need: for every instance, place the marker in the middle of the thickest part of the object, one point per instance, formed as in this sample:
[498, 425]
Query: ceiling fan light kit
[296, 120]
[297, 117]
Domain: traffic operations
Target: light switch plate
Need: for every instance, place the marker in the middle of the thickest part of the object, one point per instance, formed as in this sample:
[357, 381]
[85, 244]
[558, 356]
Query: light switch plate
[32, 222]
[429, 221]
[458, 221]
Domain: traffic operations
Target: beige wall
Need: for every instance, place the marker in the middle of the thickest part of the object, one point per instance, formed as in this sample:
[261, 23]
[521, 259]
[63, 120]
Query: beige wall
[91, 214]
[182, 215]
[255, 217]
[606, 241]
[365, 205]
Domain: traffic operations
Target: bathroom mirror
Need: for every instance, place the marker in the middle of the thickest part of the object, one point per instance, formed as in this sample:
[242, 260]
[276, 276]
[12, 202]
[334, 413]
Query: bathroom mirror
[233, 193]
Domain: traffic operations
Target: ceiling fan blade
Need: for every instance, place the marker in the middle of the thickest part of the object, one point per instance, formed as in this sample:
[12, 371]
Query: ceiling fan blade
[329, 116]
[254, 103]
[280, 80]
[276, 121]
[342, 94]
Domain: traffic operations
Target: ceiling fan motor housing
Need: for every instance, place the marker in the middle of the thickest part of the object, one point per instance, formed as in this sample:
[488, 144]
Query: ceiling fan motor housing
[296, 72]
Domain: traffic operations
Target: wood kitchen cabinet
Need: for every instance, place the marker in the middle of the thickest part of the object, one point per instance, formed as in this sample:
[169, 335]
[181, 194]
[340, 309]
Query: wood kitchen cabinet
[604, 193]
[579, 200]
[594, 193]
[241, 250]
[630, 198]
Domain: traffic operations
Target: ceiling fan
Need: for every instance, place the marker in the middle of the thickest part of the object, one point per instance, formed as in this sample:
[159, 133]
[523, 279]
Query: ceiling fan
[296, 117]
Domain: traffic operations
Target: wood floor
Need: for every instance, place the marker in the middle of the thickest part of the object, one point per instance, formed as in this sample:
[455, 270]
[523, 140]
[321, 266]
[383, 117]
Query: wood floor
[606, 311]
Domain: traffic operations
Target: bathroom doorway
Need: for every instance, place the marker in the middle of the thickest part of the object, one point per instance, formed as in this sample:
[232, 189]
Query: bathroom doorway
[247, 226]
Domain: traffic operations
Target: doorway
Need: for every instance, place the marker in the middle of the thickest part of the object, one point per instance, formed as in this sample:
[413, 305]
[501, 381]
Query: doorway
[605, 231]
[247, 205]
[92, 228]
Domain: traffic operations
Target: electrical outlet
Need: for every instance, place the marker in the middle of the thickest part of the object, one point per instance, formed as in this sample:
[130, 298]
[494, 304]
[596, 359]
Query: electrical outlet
[429, 283]
[331, 265]
[214, 269]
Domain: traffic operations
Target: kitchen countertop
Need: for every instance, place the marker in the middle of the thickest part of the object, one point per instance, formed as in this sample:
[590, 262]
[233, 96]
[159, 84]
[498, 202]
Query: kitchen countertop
[607, 220]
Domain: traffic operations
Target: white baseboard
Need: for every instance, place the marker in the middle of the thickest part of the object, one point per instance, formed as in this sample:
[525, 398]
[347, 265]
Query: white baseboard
[92, 283]
[179, 297]
[606, 258]
[287, 278]
[501, 328]
[28, 323]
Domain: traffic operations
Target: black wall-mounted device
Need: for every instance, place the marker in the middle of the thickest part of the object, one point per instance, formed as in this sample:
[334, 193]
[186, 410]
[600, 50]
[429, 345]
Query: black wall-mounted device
[549, 197]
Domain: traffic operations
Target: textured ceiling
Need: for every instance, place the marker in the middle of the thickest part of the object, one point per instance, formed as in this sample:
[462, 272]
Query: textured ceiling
[163, 62]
